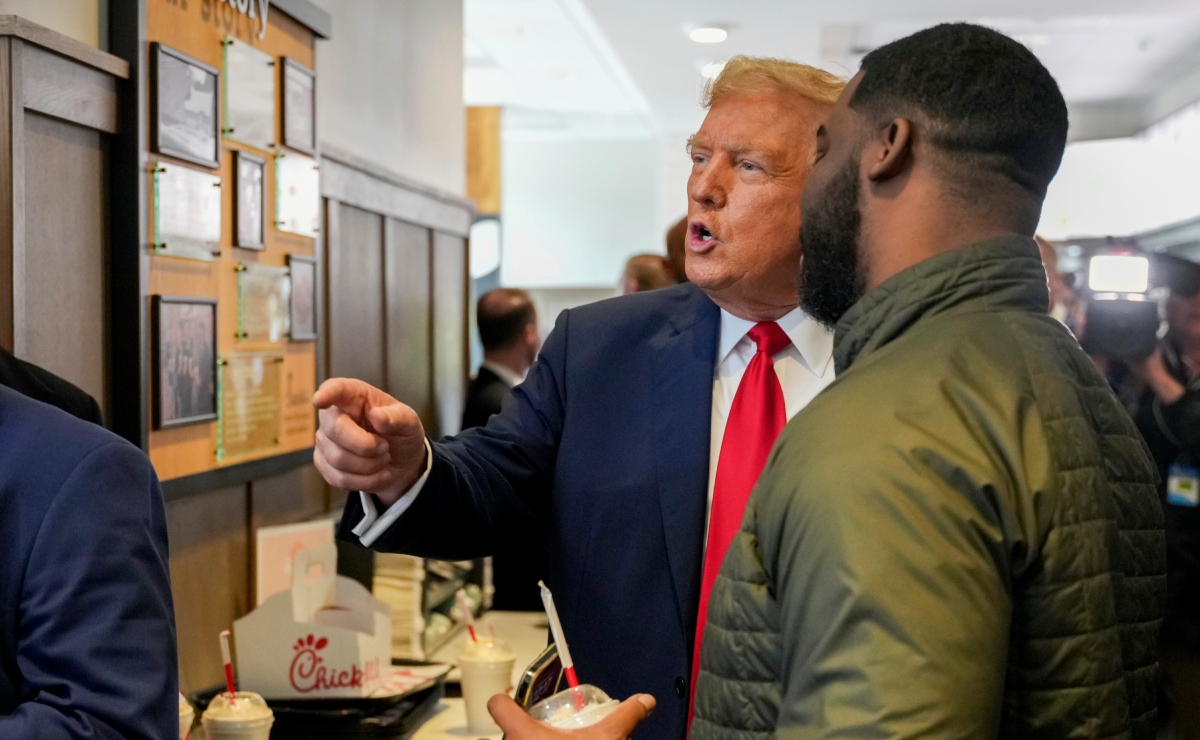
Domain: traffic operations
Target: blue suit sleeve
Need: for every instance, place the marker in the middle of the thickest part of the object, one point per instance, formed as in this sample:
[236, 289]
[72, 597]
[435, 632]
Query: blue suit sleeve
[490, 483]
[96, 645]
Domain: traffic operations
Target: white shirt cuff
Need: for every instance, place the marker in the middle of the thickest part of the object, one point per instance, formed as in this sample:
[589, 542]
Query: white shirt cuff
[373, 524]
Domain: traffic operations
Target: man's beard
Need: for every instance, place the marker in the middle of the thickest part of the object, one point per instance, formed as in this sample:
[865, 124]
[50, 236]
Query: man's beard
[830, 280]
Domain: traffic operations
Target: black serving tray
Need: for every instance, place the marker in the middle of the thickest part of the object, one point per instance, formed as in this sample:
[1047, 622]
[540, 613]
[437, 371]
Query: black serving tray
[371, 718]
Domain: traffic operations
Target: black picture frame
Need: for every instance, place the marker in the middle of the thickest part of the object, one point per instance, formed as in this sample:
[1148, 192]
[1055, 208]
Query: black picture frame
[299, 121]
[174, 131]
[171, 404]
[302, 307]
[246, 204]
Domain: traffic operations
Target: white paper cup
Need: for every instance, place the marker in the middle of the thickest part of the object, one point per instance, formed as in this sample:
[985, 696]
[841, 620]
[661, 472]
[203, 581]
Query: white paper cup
[187, 716]
[247, 718]
[486, 668]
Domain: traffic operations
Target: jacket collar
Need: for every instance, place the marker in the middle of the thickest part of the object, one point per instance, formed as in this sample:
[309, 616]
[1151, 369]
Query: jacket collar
[997, 274]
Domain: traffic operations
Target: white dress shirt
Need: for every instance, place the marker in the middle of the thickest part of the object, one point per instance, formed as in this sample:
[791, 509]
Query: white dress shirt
[510, 378]
[804, 368]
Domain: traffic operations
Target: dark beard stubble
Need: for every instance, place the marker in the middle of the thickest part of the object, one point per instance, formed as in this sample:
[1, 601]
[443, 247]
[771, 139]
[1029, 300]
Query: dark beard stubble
[830, 279]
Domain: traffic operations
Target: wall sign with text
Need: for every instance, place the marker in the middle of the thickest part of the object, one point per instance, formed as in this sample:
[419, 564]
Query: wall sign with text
[252, 9]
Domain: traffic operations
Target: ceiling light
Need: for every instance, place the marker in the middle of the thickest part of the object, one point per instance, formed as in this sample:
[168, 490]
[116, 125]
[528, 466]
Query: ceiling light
[708, 35]
[711, 70]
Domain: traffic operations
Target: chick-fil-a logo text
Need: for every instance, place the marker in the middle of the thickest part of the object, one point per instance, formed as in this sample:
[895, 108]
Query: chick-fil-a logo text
[309, 672]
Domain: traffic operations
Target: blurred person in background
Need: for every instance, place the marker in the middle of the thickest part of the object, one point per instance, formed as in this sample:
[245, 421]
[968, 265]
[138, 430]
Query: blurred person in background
[508, 331]
[1061, 297]
[635, 440]
[646, 272]
[677, 249]
[1168, 415]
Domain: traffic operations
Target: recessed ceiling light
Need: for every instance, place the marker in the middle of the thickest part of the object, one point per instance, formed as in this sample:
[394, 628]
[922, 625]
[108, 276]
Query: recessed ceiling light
[711, 70]
[708, 35]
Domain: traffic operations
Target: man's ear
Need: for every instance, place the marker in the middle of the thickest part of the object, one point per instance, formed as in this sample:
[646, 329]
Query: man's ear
[892, 151]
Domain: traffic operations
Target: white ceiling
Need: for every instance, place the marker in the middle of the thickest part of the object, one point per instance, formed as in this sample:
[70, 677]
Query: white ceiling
[551, 68]
[627, 65]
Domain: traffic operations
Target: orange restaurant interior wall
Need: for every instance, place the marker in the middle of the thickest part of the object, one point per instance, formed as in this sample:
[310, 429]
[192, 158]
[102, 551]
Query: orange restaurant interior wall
[196, 28]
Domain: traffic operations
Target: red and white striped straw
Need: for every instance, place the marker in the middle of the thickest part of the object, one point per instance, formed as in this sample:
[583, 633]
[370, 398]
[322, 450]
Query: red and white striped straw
[564, 653]
[228, 664]
[468, 617]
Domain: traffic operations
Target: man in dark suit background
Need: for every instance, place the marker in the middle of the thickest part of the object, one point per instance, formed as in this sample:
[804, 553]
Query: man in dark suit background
[508, 331]
[87, 627]
[636, 438]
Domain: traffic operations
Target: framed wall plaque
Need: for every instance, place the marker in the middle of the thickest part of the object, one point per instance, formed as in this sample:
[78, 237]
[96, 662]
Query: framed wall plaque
[297, 194]
[249, 412]
[299, 106]
[187, 212]
[303, 271]
[263, 303]
[184, 120]
[249, 201]
[184, 352]
[249, 95]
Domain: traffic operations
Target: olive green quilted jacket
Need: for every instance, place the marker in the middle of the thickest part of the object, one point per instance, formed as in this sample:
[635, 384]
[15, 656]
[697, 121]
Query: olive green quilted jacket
[960, 538]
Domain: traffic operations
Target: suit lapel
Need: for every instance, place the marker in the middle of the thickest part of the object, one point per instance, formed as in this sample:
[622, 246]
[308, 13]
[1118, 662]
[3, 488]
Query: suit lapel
[684, 354]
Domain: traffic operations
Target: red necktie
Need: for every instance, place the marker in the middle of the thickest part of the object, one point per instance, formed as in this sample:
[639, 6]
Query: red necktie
[756, 418]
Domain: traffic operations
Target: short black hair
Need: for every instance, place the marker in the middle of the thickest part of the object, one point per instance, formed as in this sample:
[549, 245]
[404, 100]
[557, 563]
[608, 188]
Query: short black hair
[502, 315]
[985, 99]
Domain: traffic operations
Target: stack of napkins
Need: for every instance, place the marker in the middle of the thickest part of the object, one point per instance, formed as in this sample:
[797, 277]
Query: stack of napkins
[400, 583]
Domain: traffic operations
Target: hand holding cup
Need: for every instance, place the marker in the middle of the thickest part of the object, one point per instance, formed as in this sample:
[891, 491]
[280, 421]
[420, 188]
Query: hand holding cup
[618, 725]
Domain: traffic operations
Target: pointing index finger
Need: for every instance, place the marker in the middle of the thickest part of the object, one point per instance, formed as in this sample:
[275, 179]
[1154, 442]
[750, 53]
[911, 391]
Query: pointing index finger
[341, 392]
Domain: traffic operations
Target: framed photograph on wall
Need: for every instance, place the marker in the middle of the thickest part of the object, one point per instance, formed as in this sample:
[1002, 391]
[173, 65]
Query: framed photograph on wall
[184, 347]
[184, 118]
[304, 298]
[249, 201]
[299, 107]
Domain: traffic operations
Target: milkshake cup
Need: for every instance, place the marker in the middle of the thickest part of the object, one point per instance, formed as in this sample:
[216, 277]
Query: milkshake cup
[582, 706]
[187, 716]
[247, 717]
[486, 668]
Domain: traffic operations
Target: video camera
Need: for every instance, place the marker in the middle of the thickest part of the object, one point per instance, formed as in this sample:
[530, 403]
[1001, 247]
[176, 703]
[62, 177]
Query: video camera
[1126, 297]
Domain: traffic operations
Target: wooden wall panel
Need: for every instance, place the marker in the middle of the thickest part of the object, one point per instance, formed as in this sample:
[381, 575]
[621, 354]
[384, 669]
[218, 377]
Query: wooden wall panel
[12, 162]
[450, 331]
[407, 271]
[65, 323]
[293, 496]
[483, 158]
[357, 325]
[210, 577]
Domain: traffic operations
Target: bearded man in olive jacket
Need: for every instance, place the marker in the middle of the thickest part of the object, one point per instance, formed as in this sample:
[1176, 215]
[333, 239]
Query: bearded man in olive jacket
[960, 538]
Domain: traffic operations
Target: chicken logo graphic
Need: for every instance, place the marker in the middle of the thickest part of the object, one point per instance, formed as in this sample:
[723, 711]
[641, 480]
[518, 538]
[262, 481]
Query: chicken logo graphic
[309, 673]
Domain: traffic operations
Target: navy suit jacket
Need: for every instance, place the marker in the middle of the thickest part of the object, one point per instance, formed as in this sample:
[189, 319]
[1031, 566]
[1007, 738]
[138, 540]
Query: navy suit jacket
[604, 448]
[87, 627]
